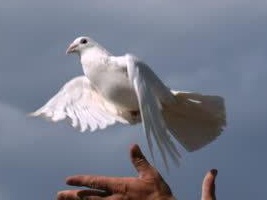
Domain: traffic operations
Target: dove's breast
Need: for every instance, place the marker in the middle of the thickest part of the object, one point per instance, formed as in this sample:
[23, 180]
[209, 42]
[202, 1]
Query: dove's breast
[112, 82]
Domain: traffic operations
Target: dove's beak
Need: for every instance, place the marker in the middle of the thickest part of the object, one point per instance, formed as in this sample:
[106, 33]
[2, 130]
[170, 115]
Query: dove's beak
[72, 48]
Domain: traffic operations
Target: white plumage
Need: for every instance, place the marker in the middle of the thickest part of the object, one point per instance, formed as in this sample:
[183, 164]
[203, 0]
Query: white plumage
[124, 89]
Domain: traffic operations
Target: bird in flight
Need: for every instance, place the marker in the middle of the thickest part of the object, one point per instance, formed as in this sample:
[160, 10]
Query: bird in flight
[124, 89]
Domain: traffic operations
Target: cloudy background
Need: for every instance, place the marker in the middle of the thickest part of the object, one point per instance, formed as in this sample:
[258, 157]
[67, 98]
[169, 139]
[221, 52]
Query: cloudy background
[213, 47]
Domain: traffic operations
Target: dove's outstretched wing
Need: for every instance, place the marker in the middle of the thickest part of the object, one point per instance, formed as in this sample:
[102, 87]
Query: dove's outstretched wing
[151, 92]
[78, 101]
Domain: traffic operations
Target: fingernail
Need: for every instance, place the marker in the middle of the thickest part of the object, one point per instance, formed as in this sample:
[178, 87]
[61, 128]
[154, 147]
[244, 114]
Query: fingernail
[214, 172]
[135, 151]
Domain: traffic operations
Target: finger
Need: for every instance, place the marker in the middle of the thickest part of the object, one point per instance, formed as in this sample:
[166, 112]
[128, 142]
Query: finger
[85, 193]
[109, 184]
[140, 162]
[208, 185]
[93, 198]
[68, 195]
[113, 197]
[78, 194]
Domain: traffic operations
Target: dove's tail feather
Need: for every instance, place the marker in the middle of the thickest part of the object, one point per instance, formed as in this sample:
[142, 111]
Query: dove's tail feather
[196, 120]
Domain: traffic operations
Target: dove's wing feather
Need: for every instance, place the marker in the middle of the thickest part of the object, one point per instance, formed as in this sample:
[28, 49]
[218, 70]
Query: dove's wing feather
[150, 92]
[196, 120]
[78, 101]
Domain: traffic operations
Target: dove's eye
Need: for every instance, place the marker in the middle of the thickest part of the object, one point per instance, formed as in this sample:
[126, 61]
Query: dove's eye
[83, 41]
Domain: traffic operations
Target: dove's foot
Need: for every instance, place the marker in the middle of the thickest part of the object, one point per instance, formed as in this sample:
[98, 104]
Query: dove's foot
[135, 115]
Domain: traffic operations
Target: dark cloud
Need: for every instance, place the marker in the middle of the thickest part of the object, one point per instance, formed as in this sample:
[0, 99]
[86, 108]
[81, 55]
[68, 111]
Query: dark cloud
[211, 47]
[35, 158]
[34, 42]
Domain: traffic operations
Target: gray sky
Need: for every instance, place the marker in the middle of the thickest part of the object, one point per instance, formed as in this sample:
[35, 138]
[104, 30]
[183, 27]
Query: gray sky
[213, 47]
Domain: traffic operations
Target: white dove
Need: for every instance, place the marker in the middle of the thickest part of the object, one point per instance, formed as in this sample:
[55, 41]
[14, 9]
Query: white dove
[124, 89]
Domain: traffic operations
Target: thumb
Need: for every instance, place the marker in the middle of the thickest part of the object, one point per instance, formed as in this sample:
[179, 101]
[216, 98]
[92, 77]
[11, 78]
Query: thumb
[208, 185]
[140, 162]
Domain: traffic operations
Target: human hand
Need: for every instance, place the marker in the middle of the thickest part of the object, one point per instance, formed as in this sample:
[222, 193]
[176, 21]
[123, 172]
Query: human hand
[149, 185]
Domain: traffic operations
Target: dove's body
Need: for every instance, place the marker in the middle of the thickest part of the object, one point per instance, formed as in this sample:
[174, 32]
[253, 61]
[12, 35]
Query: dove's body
[124, 89]
[109, 78]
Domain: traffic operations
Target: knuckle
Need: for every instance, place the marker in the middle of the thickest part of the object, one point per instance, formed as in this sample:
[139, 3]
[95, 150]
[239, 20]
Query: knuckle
[93, 181]
[121, 188]
[96, 182]
[140, 162]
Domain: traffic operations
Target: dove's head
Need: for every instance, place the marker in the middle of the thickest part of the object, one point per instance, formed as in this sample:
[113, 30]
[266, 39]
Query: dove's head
[80, 44]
